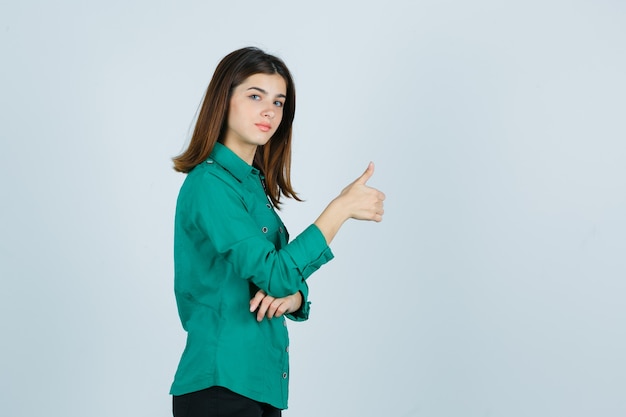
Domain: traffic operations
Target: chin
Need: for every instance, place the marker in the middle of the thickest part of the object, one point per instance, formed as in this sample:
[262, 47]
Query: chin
[264, 141]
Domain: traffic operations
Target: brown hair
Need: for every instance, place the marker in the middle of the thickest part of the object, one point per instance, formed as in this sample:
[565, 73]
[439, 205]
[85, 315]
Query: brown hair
[273, 158]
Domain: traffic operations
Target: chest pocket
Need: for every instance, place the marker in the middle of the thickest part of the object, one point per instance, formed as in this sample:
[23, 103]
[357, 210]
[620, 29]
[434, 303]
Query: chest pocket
[266, 218]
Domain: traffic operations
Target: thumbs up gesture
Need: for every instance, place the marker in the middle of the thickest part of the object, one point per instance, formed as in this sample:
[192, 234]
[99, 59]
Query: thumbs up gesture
[357, 201]
[361, 201]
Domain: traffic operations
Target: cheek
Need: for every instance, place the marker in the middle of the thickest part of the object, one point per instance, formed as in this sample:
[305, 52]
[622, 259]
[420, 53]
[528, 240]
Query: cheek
[280, 115]
[230, 121]
[234, 113]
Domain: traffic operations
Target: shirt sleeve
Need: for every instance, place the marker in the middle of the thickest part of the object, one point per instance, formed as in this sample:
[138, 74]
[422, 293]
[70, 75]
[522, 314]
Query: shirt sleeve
[219, 211]
[302, 314]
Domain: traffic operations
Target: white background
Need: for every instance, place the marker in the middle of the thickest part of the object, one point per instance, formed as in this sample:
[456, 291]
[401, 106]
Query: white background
[495, 285]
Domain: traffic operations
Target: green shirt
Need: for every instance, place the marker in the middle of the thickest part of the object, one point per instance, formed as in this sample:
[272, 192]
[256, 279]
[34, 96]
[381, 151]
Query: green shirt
[228, 243]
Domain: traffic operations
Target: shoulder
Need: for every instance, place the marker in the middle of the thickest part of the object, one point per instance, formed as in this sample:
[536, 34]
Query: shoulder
[210, 173]
[209, 180]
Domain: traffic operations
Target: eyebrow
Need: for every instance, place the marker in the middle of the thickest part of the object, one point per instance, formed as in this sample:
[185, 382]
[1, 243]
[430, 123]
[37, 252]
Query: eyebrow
[265, 92]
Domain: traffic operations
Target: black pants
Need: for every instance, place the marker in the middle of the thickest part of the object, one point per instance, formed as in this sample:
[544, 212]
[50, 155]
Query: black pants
[220, 402]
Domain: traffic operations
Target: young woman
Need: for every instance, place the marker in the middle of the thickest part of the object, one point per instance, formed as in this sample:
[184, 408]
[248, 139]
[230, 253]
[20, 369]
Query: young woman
[236, 275]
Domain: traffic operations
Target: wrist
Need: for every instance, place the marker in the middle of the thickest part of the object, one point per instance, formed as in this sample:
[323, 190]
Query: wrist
[332, 218]
[339, 209]
[296, 302]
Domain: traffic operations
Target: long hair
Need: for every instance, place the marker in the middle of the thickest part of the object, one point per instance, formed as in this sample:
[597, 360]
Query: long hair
[273, 158]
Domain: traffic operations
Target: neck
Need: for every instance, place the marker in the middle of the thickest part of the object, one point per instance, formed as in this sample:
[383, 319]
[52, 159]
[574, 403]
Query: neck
[245, 152]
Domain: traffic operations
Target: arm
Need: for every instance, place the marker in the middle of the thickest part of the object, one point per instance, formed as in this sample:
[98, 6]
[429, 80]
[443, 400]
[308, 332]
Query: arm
[215, 224]
[356, 201]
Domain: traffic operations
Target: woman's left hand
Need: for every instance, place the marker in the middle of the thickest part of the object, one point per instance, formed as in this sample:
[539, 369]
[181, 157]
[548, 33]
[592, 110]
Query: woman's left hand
[268, 306]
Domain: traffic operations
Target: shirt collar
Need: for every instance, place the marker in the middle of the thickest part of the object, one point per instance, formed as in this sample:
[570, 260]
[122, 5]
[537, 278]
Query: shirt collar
[231, 162]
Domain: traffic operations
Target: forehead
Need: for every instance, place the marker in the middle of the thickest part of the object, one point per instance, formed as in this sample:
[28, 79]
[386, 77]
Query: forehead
[272, 83]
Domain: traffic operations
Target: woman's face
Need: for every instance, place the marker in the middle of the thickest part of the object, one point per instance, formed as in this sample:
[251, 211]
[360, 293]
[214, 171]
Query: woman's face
[255, 111]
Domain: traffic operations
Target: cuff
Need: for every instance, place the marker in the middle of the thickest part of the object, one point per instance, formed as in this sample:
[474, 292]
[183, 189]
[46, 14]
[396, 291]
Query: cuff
[309, 251]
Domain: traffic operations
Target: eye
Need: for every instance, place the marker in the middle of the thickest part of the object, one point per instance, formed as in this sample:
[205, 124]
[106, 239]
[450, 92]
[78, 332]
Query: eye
[255, 97]
[279, 103]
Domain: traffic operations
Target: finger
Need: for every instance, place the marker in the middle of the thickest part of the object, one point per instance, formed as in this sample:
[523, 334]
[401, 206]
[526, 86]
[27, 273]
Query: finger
[256, 300]
[265, 304]
[260, 313]
[378, 217]
[366, 175]
[286, 307]
[278, 308]
[271, 311]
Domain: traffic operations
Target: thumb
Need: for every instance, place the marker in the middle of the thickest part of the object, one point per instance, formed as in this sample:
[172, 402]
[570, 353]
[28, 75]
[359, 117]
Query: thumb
[366, 175]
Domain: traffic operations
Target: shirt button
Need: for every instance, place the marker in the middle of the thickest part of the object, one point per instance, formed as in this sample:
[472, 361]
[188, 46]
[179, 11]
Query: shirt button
[268, 205]
[209, 161]
[284, 375]
[287, 349]
[280, 229]
[264, 230]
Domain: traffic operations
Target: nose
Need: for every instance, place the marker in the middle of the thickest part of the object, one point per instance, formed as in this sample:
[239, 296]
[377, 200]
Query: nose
[269, 113]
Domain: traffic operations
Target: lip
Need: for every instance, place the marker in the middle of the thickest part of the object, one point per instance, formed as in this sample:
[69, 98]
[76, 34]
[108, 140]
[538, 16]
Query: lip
[263, 126]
